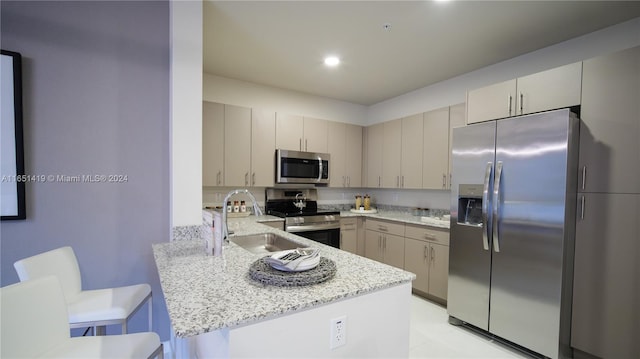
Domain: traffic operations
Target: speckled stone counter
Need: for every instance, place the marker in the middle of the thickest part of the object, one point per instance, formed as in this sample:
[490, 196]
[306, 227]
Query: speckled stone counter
[205, 293]
[398, 217]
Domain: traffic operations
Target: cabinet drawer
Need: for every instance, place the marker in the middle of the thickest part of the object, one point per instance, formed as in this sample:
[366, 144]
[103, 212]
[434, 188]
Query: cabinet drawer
[427, 234]
[348, 224]
[385, 227]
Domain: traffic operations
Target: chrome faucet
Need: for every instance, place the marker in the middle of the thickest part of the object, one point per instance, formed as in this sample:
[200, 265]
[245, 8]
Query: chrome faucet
[256, 210]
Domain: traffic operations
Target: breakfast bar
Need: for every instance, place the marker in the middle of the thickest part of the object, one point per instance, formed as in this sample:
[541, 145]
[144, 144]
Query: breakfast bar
[216, 309]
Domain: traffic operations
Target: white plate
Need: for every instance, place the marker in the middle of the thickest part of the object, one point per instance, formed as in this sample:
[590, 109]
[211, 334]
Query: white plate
[306, 264]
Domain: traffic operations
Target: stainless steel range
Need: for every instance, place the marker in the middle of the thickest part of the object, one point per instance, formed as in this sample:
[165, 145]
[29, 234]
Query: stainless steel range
[299, 208]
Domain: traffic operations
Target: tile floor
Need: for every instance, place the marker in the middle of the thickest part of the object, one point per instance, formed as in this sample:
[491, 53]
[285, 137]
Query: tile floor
[431, 336]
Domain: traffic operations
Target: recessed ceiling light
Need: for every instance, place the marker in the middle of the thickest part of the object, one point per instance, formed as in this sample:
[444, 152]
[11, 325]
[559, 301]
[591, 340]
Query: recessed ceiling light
[331, 61]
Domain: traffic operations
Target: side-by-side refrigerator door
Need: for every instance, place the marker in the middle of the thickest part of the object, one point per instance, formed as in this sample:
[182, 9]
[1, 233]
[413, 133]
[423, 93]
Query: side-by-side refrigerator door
[530, 200]
[470, 234]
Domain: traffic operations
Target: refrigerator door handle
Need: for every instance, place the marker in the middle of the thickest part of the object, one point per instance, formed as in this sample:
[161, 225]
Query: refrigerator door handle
[496, 207]
[485, 206]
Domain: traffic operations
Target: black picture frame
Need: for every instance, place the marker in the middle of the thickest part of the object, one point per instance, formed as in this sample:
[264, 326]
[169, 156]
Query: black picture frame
[13, 174]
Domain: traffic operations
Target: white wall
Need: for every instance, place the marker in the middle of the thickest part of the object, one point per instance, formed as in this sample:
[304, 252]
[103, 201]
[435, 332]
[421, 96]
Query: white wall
[186, 113]
[453, 91]
[241, 93]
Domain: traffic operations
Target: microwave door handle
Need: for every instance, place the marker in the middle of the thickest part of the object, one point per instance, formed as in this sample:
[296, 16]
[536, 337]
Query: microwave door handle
[320, 167]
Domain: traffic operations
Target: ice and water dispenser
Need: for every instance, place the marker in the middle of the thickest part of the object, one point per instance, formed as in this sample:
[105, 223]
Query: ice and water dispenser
[470, 204]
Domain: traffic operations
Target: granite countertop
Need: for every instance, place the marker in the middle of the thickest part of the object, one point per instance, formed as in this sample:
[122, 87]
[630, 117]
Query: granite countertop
[205, 293]
[399, 217]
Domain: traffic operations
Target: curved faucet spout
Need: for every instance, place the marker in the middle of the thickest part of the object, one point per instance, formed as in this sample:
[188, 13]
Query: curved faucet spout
[256, 210]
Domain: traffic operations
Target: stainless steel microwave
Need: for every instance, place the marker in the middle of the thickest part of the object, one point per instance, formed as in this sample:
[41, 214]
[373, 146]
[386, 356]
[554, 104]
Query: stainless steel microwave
[302, 167]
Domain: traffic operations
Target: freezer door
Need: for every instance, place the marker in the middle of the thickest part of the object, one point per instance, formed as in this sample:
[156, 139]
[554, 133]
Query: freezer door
[469, 255]
[532, 228]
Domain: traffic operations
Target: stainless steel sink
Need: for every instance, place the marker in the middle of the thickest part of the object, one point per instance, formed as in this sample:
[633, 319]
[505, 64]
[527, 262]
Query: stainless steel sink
[264, 243]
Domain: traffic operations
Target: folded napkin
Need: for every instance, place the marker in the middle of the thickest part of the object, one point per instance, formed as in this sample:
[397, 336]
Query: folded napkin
[291, 259]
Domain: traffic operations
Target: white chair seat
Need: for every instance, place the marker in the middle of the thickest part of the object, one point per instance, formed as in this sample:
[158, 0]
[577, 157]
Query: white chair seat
[87, 308]
[137, 345]
[34, 325]
[114, 304]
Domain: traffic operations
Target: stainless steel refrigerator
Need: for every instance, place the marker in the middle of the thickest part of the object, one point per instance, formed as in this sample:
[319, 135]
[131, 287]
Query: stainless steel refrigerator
[513, 215]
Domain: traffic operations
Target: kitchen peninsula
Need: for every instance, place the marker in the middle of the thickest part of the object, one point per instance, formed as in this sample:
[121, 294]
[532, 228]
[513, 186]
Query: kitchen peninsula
[217, 310]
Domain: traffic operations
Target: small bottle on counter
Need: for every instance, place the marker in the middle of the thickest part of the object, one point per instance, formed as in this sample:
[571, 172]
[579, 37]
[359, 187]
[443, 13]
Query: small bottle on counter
[236, 206]
[243, 207]
[358, 201]
[367, 202]
[229, 207]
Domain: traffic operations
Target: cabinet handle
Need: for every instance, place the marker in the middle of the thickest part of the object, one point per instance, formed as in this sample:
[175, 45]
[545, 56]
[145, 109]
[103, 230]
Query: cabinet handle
[397, 181]
[378, 181]
[384, 242]
[521, 103]
[584, 176]
[306, 145]
[430, 236]
[348, 181]
[582, 200]
[433, 254]
[444, 180]
[402, 182]
[382, 229]
[300, 144]
[450, 180]
[510, 99]
[218, 177]
[253, 179]
[246, 179]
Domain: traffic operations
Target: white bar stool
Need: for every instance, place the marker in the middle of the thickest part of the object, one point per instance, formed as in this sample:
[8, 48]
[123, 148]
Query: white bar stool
[86, 308]
[34, 324]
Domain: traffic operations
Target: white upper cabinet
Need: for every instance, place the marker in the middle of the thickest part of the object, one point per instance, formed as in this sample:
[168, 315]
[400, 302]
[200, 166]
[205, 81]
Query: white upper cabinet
[212, 144]
[237, 145]
[289, 132]
[491, 102]
[263, 147]
[391, 153]
[610, 135]
[411, 163]
[556, 88]
[299, 133]
[314, 135]
[345, 147]
[375, 135]
[436, 149]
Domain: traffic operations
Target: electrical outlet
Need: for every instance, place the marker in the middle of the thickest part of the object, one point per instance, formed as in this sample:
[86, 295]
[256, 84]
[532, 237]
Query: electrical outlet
[338, 332]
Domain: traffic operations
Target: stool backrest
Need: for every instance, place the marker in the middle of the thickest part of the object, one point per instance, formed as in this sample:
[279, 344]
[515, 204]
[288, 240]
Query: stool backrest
[60, 262]
[34, 318]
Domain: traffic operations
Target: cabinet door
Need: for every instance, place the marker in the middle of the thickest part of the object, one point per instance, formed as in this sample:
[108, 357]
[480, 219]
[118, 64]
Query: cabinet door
[547, 90]
[610, 112]
[337, 141]
[263, 146]
[411, 152]
[438, 270]
[606, 285]
[349, 235]
[237, 145]
[212, 144]
[416, 260]
[436, 149]
[353, 155]
[315, 135]
[375, 136]
[391, 153]
[491, 102]
[373, 245]
[289, 129]
[393, 248]
[457, 114]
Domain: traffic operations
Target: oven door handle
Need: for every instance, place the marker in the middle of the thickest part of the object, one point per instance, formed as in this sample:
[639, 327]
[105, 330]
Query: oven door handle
[313, 227]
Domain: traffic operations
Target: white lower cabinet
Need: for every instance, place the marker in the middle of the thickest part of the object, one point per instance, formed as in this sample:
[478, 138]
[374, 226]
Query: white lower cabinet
[426, 253]
[384, 242]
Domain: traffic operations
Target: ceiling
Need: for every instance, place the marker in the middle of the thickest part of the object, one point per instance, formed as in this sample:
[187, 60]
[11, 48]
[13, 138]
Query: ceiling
[282, 43]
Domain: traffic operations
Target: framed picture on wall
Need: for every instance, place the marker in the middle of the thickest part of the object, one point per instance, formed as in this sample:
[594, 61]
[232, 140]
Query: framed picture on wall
[12, 202]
